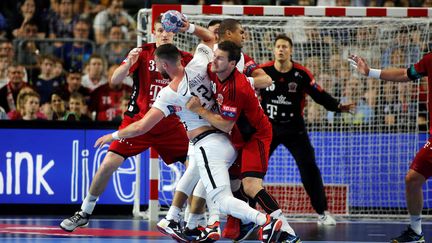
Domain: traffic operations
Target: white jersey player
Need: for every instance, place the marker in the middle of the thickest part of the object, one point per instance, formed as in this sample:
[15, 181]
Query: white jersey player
[213, 151]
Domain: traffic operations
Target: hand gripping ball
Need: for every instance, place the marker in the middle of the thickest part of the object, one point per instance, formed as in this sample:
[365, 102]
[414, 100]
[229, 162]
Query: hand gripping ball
[172, 21]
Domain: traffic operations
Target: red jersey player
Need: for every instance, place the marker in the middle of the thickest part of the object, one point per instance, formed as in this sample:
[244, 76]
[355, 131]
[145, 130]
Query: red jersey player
[251, 131]
[168, 137]
[421, 167]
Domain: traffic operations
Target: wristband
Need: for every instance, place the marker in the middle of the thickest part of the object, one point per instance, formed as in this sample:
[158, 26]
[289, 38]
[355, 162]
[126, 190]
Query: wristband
[374, 73]
[191, 28]
[115, 135]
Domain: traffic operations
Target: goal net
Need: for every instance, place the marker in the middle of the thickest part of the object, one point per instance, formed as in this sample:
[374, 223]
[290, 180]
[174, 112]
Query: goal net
[363, 157]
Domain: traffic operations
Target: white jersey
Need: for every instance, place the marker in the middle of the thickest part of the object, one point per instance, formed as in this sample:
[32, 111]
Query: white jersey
[194, 83]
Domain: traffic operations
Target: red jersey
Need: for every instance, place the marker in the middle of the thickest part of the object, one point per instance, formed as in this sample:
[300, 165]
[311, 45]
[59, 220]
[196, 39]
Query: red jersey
[421, 69]
[106, 101]
[238, 102]
[147, 81]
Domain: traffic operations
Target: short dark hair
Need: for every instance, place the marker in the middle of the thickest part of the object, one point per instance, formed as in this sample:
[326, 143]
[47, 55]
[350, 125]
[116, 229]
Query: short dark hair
[234, 51]
[214, 22]
[168, 52]
[283, 37]
[228, 24]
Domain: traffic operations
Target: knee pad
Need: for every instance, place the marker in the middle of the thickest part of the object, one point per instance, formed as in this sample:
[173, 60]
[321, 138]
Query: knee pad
[235, 185]
[189, 179]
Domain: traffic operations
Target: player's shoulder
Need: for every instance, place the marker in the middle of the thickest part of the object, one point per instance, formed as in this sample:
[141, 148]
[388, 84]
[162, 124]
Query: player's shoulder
[148, 47]
[302, 69]
[247, 57]
[185, 54]
[427, 57]
[267, 65]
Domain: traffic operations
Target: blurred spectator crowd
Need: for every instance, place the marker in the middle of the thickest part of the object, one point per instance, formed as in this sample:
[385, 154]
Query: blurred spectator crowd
[56, 58]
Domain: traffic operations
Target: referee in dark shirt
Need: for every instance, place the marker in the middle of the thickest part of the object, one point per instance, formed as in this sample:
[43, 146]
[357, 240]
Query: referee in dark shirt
[283, 102]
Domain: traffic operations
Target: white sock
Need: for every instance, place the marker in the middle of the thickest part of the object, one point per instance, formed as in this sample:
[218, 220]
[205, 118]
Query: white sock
[173, 213]
[89, 203]
[213, 212]
[187, 212]
[192, 222]
[285, 225]
[415, 223]
[202, 220]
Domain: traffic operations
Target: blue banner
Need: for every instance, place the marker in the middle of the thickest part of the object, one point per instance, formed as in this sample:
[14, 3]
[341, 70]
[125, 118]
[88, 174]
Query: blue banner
[50, 166]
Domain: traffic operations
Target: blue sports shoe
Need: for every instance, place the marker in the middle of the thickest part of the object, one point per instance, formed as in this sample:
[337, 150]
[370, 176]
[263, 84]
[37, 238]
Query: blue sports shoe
[286, 237]
[409, 236]
[245, 231]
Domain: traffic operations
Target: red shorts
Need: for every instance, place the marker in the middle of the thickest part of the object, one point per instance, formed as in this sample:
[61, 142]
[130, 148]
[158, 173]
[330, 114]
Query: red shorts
[168, 138]
[252, 160]
[422, 162]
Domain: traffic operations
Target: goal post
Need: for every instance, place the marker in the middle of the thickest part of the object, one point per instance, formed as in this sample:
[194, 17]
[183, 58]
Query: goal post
[363, 157]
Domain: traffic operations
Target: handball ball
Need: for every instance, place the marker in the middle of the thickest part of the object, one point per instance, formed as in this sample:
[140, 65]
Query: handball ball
[172, 21]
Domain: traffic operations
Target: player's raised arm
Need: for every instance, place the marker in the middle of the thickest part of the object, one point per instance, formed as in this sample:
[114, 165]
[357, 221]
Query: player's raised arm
[151, 118]
[207, 37]
[123, 70]
[389, 74]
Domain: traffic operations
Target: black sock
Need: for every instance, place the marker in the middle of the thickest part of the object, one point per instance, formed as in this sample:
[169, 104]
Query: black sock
[266, 201]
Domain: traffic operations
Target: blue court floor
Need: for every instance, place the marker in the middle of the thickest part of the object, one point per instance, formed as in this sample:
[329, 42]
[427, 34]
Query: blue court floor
[126, 229]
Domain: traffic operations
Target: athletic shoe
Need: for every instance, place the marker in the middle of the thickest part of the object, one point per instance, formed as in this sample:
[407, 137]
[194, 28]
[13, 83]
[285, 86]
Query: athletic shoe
[173, 229]
[79, 219]
[192, 234]
[286, 237]
[409, 236]
[232, 228]
[326, 219]
[245, 231]
[211, 233]
[270, 231]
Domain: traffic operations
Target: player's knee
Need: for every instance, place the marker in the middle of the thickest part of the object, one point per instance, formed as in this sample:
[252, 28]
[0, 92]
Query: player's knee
[252, 186]
[414, 179]
[111, 163]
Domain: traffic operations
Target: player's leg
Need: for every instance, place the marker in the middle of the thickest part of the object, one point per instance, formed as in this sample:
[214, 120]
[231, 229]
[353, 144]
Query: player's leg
[170, 224]
[253, 172]
[300, 147]
[195, 222]
[81, 218]
[213, 166]
[420, 171]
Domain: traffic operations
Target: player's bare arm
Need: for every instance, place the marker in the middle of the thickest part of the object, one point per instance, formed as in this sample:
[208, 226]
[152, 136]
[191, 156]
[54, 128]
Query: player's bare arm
[123, 70]
[152, 117]
[389, 74]
[214, 119]
[207, 37]
[261, 79]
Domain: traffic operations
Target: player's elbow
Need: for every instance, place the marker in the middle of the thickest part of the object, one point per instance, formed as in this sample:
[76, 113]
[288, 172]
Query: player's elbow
[263, 82]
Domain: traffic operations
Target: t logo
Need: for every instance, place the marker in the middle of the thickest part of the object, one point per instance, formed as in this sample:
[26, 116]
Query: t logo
[272, 110]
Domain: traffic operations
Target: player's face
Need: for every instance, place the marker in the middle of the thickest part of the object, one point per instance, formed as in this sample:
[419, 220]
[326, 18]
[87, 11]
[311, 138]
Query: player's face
[162, 37]
[282, 50]
[237, 36]
[220, 62]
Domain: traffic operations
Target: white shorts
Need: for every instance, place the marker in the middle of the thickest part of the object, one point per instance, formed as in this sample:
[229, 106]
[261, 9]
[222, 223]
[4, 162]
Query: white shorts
[214, 154]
